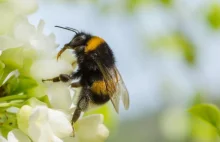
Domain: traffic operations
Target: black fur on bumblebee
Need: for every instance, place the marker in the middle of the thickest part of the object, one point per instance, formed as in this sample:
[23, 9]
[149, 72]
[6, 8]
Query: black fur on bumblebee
[98, 76]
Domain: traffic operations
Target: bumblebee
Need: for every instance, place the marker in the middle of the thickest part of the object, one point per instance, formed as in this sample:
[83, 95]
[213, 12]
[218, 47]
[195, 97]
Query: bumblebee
[98, 76]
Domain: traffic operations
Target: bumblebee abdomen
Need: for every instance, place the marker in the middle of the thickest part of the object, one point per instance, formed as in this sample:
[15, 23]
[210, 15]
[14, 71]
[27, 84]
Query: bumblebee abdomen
[99, 87]
[99, 92]
[99, 99]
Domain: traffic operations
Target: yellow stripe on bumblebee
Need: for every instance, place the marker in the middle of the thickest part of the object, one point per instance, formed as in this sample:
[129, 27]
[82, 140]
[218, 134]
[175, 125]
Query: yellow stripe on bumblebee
[93, 43]
[99, 87]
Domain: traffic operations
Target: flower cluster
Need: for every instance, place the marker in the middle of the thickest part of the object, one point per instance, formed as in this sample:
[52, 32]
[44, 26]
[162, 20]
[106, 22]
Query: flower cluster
[31, 110]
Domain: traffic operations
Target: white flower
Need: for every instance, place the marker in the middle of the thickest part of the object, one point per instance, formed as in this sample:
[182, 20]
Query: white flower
[44, 124]
[23, 7]
[91, 129]
[31, 37]
[49, 68]
[35, 38]
[58, 93]
[10, 10]
[43, 110]
[15, 136]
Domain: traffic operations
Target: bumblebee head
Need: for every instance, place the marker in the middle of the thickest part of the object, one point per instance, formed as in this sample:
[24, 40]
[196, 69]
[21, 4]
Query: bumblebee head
[78, 43]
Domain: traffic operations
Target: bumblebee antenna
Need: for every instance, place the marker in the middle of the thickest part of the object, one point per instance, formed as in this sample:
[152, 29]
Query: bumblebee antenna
[68, 28]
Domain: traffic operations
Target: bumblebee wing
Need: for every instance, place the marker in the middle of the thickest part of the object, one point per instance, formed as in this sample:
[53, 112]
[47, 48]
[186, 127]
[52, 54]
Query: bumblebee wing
[115, 99]
[122, 90]
[110, 82]
[114, 85]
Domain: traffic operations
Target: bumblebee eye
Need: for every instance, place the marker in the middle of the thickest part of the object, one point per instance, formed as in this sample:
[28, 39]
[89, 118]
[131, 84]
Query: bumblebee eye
[79, 40]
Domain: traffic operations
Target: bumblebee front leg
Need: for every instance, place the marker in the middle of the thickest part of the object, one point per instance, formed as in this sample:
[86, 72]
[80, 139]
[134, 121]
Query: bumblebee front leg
[75, 85]
[65, 77]
[61, 77]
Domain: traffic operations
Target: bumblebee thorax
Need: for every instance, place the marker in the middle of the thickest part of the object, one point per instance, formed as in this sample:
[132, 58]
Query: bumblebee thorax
[93, 44]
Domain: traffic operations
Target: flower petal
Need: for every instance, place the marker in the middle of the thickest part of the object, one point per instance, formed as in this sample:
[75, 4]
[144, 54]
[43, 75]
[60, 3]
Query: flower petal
[23, 118]
[33, 102]
[24, 6]
[46, 45]
[17, 136]
[24, 27]
[40, 26]
[7, 19]
[37, 121]
[91, 129]
[59, 96]
[70, 139]
[39, 127]
[69, 57]
[44, 69]
[2, 139]
[59, 123]
[8, 42]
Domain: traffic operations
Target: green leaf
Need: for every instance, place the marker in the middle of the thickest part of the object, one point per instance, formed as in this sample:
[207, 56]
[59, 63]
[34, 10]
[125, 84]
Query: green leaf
[2, 66]
[8, 82]
[2, 1]
[29, 55]
[8, 123]
[19, 84]
[207, 112]
[13, 57]
[176, 42]
[132, 5]
[198, 98]
[167, 2]
[24, 84]
[33, 102]
[46, 100]
[4, 74]
[38, 91]
[202, 130]
[213, 16]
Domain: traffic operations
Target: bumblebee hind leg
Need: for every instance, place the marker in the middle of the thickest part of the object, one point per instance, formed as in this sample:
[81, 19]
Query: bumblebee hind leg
[75, 117]
[82, 105]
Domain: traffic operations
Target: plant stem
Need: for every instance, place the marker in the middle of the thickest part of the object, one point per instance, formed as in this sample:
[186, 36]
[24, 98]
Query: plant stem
[13, 97]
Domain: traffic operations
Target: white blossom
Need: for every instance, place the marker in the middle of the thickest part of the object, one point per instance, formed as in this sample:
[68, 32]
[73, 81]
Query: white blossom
[45, 124]
[42, 112]
[15, 136]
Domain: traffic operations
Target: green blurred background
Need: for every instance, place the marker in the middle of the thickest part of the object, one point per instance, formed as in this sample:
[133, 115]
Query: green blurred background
[168, 52]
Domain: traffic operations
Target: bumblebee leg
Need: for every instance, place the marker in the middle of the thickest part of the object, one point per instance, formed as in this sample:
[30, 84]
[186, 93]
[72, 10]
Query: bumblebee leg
[75, 85]
[81, 106]
[75, 117]
[61, 77]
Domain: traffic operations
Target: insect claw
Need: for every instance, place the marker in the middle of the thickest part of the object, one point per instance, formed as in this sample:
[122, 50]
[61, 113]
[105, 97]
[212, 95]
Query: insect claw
[73, 134]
